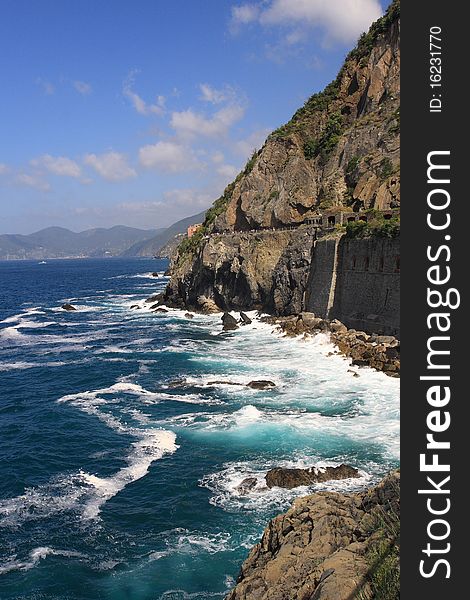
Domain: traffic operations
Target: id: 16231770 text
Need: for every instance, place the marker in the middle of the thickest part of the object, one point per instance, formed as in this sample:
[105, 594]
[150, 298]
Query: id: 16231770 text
[435, 69]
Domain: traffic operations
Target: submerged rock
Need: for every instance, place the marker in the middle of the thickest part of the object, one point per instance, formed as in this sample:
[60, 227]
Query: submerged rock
[134, 306]
[161, 310]
[229, 322]
[291, 478]
[248, 484]
[245, 319]
[68, 306]
[189, 315]
[261, 384]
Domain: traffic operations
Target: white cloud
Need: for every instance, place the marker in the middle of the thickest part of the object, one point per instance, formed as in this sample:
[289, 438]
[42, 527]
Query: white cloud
[4, 169]
[112, 166]
[189, 123]
[169, 157]
[33, 181]
[47, 87]
[213, 95]
[58, 165]
[176, 199]
[245, 13]
[218, 157]
[139, 103]
[82, 87]
[340, 20]
[188, 197]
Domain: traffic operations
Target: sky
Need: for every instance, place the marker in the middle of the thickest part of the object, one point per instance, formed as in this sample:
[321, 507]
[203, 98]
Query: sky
[140, 112]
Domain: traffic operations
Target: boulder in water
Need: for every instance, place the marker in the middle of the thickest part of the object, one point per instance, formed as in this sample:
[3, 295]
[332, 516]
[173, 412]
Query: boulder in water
[229, 322]
[68, 306]
[245, 319]
[248, 484]
[261, 384]
[291, 478]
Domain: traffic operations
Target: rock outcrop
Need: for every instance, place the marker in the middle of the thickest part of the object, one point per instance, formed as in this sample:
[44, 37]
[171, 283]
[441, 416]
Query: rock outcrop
[292, 478]
[321, 548]
[68, 306]
[229, 322]
[258, 248]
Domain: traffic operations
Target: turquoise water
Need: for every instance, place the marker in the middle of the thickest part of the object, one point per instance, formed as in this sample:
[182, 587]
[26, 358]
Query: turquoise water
[120, 460]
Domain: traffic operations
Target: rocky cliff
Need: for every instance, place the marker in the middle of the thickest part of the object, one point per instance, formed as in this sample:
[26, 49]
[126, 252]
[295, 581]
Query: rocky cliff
[328, 546]
[338, 154]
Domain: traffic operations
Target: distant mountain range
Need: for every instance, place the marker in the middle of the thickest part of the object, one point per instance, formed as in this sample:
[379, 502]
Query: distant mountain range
[163, 241]
[58, 242]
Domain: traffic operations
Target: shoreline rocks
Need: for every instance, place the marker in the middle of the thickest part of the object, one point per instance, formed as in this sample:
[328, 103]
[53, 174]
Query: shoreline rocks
[381, 352]
[320, 548]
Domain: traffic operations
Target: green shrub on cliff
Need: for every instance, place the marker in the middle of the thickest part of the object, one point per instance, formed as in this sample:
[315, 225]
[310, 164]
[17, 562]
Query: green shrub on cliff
[325, 144]
[383, 557]
[375, 226]
[318, 102]
[386, 168]
[322, 101]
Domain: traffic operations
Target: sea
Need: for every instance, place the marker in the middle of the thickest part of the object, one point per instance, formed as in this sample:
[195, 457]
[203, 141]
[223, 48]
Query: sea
[125, 433]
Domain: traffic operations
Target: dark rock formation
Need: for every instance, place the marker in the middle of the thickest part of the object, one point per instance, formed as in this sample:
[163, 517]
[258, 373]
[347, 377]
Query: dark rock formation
[68, 306]
[161, 310]
[319, 549]
[291, 478]
[134, 306]
[245, 319]
[155, 298]
[189, 315]
[229, 322]
[261, 384]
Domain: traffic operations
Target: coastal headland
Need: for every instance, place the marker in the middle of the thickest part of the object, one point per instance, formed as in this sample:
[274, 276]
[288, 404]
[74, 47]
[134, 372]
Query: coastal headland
[309, 233]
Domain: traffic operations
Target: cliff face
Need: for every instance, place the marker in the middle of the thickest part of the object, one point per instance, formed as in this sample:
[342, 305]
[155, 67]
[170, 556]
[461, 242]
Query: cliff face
[340, 149]
[340, 152]
[328, 546]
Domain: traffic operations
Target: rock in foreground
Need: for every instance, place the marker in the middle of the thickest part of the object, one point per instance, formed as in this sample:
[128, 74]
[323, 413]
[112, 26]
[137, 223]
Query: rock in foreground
[321, 548]
[291, 478]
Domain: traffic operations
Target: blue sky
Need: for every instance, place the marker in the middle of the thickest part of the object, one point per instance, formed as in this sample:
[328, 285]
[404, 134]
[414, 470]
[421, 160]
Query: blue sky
[139, 113]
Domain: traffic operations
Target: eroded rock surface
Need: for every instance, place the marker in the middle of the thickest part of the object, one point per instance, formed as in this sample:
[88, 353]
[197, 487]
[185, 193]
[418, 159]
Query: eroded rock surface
[318, 549]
